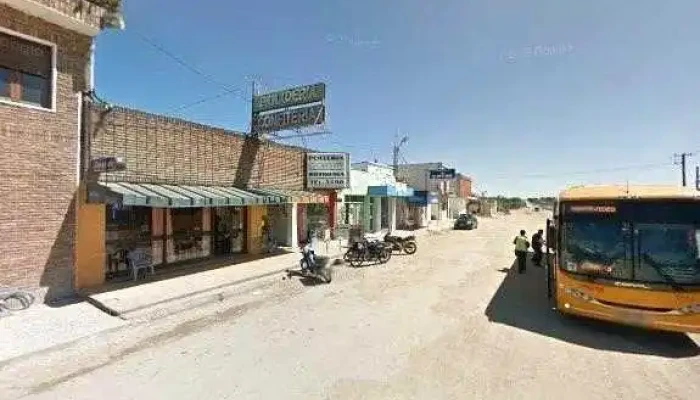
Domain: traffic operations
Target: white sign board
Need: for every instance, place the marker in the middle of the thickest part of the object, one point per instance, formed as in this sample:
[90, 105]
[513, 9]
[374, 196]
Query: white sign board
[327, 170]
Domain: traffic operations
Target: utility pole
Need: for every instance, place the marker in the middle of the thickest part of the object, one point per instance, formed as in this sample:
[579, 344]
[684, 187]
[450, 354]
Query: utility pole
[682, 163]
[396, 149]
[697, 178]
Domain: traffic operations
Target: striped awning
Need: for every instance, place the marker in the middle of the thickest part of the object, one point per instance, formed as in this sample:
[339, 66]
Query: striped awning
[177, 196]
[294, 196]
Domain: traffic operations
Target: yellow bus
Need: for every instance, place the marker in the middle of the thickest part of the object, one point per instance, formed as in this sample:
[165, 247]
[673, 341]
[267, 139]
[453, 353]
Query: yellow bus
[627, 254]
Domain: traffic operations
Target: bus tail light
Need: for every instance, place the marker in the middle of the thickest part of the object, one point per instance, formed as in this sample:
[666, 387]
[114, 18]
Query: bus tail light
[578, 294]
[691, 309]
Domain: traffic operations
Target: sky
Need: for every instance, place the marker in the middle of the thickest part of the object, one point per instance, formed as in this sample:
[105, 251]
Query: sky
[526, 97]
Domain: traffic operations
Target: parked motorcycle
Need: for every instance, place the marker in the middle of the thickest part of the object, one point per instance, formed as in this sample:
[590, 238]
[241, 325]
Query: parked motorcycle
[368, 250]
[312, 267]
[406, 244]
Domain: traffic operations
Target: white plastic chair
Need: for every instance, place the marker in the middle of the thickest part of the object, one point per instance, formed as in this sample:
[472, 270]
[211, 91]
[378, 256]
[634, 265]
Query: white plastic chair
[138, 260]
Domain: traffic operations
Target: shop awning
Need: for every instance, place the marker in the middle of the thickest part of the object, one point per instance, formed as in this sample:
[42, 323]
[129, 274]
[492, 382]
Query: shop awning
[294, 196]
[423, 198]
[177, 196]
[390, 191]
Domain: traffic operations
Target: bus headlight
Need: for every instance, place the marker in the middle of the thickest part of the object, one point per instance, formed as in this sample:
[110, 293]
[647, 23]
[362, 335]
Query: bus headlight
[570, 266]
[691, 309]
[578, 294]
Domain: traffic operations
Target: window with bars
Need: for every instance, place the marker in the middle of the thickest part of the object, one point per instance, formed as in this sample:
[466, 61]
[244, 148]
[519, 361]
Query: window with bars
[26, 71]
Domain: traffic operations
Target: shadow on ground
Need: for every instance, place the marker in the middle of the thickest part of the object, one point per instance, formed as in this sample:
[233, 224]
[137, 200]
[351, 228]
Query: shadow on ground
[521, 302]
[184, 268]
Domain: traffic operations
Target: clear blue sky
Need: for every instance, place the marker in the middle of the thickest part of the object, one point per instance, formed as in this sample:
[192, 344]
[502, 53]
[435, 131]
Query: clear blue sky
[624, 92]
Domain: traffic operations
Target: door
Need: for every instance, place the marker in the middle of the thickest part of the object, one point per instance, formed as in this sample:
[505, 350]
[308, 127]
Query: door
[550, 238]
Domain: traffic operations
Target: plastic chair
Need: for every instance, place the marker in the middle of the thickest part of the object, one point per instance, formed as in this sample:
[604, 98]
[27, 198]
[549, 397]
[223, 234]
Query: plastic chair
[139, 260]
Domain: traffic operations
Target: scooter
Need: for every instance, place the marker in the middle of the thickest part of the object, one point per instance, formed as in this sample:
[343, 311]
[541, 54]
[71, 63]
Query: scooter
[406, 244]
[311, 267]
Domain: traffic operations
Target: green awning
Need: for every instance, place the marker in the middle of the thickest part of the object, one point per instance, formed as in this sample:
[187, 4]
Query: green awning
[177, 196]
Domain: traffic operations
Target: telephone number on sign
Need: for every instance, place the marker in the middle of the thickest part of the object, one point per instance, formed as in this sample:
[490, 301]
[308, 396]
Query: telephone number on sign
[328, 183]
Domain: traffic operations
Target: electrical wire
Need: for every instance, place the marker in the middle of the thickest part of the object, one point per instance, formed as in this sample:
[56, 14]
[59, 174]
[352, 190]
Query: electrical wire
[227, 89]
[586, 172]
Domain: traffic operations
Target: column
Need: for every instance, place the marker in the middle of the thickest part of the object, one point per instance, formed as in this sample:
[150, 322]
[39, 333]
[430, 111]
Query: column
[332, 212]
[292, 226]
[366, 223]
[392, 213]
[157, 232]
[377, 223]
[207, 231]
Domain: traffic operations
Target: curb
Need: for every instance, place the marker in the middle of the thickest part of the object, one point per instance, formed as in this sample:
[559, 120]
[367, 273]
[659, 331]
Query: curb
[194, 299]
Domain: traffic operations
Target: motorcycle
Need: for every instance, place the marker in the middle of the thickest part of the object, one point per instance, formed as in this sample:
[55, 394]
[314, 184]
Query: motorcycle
[406, 244]
[368, 250]
[312, 267]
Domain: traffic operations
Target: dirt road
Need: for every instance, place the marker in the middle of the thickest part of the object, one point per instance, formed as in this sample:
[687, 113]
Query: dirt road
[451, 322]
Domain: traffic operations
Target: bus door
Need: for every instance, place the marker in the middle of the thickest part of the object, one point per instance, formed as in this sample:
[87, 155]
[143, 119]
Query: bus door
[550, 243]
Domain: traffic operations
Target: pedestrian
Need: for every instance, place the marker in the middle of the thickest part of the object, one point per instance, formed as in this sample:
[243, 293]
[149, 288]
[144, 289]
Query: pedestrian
[537, 242]
[521, 247]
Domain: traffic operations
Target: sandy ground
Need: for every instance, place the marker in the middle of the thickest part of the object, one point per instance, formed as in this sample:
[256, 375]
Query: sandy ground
[451, 322]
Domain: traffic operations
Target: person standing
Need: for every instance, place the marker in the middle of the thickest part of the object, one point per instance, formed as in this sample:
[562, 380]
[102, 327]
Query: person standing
[521, 247]
[537, 242]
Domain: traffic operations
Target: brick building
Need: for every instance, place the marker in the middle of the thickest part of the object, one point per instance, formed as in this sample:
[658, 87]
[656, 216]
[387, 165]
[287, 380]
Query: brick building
[45, 62]
[454, 194]
[186, 192]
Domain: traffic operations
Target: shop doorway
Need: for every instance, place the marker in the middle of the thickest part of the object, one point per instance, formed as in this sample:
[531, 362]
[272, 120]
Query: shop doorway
[229, 230]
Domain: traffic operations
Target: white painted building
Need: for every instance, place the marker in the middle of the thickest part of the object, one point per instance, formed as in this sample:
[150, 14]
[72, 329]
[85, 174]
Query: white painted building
[372, 200]
[451, 202]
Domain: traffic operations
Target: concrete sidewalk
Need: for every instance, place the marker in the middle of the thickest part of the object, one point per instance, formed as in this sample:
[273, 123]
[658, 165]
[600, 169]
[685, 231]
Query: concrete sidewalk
[42, 327]
[167, 296]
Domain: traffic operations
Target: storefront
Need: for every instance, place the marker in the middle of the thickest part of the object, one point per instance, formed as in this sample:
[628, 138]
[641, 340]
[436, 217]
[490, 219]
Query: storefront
[175, 224]
[384, 200]
[420, 207]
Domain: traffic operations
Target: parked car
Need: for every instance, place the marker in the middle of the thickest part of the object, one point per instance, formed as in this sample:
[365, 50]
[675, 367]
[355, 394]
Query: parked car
[466, 221]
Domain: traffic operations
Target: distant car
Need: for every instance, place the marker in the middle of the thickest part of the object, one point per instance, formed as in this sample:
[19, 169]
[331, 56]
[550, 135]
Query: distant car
[537, 209]
[466, 221]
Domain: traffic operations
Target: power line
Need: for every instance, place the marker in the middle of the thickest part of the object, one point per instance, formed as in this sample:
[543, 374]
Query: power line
[587, 172]
[228, 89]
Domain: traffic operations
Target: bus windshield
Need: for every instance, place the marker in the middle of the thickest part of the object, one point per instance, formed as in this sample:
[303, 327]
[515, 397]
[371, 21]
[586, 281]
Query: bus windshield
[668, 253]
[596, 247]
[645, 252]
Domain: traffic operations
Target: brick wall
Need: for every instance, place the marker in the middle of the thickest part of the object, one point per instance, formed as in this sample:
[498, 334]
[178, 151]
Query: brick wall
[38, 169]
[158, 149]
[464, 187]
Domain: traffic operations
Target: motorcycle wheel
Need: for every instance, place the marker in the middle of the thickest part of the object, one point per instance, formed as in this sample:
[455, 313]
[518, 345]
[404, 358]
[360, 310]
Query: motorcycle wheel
[385, 256]
[355, 259]
[410, 247]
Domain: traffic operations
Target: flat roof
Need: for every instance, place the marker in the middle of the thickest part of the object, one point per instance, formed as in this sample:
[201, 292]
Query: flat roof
[628, 192]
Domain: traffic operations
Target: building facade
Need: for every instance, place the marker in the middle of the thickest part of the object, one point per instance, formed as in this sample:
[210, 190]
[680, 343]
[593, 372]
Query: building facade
[186, 191]
[375, 201]
[452, 195]
[46, 58]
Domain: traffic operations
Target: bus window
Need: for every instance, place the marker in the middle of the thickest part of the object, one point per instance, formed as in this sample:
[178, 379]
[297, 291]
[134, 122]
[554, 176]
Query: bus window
[668, 253]
[596, 247]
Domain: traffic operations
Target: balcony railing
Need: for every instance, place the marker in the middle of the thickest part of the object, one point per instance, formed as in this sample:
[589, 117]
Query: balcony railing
[72, 14]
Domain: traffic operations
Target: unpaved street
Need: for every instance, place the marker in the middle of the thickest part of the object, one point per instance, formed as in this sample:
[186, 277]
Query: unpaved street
[451, 322]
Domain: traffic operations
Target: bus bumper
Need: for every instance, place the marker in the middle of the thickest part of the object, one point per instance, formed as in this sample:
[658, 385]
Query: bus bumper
[671, 321]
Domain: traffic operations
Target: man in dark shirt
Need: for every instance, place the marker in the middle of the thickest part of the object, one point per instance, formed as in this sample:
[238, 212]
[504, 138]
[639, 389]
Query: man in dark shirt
[537, 242]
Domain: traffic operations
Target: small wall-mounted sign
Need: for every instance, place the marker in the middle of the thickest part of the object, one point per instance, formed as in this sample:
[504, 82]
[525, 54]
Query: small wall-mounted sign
[107, 164]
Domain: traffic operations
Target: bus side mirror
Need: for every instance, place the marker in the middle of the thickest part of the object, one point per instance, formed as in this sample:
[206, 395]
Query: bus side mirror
[551, 235]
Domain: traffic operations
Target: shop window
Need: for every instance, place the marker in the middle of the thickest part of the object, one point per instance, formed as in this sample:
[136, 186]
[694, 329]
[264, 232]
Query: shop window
[188, 238]
[128, 218]
[26, 71]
